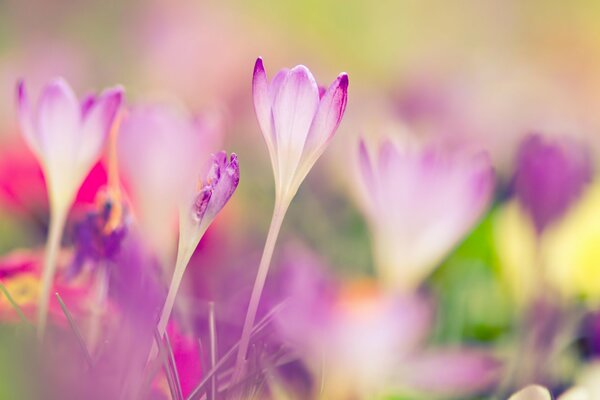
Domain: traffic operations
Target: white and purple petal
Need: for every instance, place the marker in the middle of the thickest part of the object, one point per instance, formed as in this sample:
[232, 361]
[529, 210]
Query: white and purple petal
[294, 108]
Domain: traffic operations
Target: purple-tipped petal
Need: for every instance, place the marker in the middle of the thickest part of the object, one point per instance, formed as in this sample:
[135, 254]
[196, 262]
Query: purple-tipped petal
[329, 114]
[262, 101]
[86, 103]
[97, 124]
[25, 118]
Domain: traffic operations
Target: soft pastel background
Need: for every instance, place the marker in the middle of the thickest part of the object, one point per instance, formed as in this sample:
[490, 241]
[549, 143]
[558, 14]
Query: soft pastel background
[487, 71]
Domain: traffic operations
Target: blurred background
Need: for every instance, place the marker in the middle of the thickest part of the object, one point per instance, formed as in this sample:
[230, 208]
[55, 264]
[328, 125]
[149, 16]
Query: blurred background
[490, 72]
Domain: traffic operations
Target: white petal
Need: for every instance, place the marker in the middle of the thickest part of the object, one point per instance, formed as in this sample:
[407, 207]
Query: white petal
[294, 109]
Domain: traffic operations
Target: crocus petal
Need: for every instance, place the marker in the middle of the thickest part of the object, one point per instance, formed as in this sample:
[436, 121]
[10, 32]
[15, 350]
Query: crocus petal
[533, 392]
[25, 117]
[451, 371]
[325, 123]
[96, 125]
[329, 115]
[224, 182]
[262, 107]
[294, 108]
[59, 120]
[576, 393]
[365, 167]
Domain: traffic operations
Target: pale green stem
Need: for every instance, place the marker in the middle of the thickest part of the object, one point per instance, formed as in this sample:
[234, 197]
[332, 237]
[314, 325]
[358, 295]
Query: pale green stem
[58, 218]
[98, 307]
[263, 269]
[185, 250]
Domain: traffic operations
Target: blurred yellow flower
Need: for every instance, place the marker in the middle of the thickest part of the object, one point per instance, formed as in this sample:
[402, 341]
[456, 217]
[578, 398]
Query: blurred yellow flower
[516, 242]
[572, 249]
[569, 250]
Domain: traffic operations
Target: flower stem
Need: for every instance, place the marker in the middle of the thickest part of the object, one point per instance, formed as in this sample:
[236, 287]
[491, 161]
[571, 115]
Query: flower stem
[99, 306]
[58, 217]
[185, 250]
[263, 269]
[180, 266]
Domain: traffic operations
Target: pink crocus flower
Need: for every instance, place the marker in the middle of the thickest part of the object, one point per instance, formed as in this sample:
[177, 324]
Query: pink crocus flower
[298, 120]
[420, 203]
[66, 135]
[364, 342]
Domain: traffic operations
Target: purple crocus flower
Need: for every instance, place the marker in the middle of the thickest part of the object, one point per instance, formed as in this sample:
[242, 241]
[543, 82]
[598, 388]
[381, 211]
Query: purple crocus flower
[67, 136]
[550, 175]
[363, 342]
[95, 238]
[420, 203]
[297, 119]
[215, 189]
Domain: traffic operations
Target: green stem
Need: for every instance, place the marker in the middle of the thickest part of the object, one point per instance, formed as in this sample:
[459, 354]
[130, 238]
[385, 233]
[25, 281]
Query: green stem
[58, 218]
[263, 269]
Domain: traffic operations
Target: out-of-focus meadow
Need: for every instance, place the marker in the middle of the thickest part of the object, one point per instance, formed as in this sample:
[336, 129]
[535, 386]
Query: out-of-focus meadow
[504, 251]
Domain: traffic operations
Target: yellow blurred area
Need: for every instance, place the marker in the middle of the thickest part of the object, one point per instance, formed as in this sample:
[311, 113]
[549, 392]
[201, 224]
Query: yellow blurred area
[569, 251]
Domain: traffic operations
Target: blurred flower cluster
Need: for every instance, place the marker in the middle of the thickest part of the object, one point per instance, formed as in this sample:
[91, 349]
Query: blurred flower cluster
[424, 226]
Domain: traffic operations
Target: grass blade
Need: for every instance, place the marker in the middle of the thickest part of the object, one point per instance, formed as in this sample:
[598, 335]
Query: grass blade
[76, 331]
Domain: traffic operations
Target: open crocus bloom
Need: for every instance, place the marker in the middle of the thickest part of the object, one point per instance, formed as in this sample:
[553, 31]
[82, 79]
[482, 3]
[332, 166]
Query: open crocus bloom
[364, 342]
[420, 203]
[162, 150]
[67, 136]
[297, 119]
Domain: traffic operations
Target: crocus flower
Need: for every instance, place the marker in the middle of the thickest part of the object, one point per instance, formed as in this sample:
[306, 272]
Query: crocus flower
[420, 203]
[365, 342]
[161, 150]
[297, 119]
[215, 188]
[550, 175]
[67, 136]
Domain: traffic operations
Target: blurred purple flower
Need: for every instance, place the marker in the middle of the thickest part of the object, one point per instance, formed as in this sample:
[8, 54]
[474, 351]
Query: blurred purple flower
[95, 238]
[66, 135]
[420, 203]
[297, 119]
[550, 175]
[161, 150]
[365, 342]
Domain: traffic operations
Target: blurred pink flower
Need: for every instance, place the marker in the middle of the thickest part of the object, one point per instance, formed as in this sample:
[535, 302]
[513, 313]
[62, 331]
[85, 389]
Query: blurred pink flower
[420, 203]
[161, 151]
[365, 342]
[66, 136]
[298, 120]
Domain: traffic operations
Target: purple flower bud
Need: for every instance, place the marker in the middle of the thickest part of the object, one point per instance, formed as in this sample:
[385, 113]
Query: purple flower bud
[220, 183]
[550, 175]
